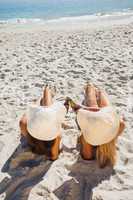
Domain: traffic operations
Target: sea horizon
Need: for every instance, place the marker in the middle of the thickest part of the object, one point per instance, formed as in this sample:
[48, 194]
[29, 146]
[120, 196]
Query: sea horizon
[25, 11]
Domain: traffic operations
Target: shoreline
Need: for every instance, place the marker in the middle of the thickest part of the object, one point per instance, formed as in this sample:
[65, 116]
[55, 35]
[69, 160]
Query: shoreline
[78, 22]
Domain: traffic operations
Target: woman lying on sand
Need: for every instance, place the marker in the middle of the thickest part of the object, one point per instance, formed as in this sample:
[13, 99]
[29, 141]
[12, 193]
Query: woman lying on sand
[41, 125]
[100, 126]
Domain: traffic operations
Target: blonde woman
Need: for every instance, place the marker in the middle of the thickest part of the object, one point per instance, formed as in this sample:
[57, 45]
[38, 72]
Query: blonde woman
[100, 126]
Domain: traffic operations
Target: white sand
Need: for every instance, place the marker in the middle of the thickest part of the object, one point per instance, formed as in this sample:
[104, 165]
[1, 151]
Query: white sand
[67, 57]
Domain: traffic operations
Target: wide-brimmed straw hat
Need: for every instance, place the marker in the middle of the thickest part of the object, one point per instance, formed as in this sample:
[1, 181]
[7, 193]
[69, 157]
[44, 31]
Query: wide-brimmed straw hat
[99, 127]
[44, 123]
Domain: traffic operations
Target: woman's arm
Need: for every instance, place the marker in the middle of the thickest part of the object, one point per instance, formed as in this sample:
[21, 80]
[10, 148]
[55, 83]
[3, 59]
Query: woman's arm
[23, 125]
[122, 126]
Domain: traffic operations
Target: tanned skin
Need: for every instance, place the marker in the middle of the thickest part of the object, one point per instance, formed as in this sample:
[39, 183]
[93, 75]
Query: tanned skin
[94, 100]
[49, 148]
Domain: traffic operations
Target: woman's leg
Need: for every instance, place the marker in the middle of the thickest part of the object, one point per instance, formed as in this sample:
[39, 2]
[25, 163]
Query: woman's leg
[47, 97]
[87, 150]
[103, 99]
[90, 96]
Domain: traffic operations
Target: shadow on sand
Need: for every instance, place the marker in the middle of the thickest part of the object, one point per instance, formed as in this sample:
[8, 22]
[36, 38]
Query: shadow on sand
[26, 170]
[86, 175]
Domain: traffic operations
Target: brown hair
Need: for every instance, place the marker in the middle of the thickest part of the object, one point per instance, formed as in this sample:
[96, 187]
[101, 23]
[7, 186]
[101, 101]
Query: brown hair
[40, 146]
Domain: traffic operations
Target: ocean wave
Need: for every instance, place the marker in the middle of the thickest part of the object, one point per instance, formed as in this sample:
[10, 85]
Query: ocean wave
[125, 13]
[21, 21]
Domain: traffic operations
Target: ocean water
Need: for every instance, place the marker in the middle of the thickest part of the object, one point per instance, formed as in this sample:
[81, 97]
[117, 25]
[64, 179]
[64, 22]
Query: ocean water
[52, 9]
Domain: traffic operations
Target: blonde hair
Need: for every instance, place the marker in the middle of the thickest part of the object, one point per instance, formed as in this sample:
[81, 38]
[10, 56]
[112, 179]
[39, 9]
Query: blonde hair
[106, 154]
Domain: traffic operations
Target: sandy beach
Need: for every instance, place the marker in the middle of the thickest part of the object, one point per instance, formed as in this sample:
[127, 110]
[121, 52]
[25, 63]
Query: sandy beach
[67, 56]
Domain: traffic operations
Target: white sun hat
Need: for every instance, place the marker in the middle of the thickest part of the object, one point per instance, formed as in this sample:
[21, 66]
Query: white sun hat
[99, 127]
[44, 122]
